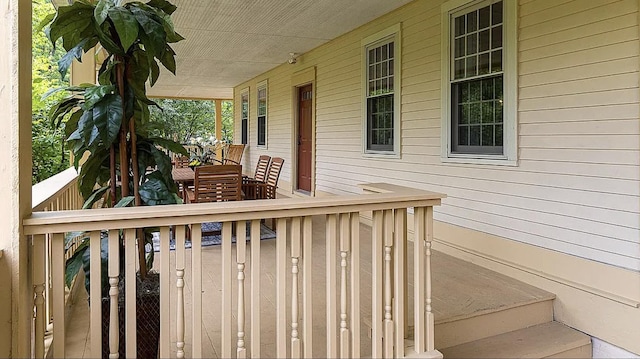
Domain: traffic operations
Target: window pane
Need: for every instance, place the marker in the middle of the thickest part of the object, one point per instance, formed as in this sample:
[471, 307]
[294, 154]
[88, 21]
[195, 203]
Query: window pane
[459, 26]
[496, 13]
[459, 47]
[474, 112]
[458, 71]
[464, 114]
[464, 92]
[474, 90]
[463, 135]
[496, 37]
[472, 21]
[496, 61]
[391, 68]
[487, 135]
[499, 135]
[262, 130]
[372, 56]
[472, 44]
[483, 64]
[385, 52]
[487, 89]
[391, 50]
[471, 66]
[483, 41]
[474, 135]
[487, 112]
[484, 17]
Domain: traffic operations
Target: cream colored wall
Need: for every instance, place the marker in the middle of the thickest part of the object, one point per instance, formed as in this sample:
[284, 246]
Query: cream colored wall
[15, 166]
[576, 186]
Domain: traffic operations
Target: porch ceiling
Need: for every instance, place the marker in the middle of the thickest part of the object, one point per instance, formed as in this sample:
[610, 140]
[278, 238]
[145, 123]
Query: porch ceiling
[231, 41]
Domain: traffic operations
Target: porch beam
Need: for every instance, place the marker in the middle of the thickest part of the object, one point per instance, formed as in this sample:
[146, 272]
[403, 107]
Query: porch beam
[15, 165]
[219, 127]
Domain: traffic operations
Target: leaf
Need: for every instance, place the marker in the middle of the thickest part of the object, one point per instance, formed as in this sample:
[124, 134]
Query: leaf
[155, 71]
[107, 117]
[163, 5]
[126, 26]
[154, 36]
[65, 62]
[125, 202]
[95, 197]
[73, 265]
[72, 123]
[101, 11]
[169, 145]
[155, 192]
[69, 20]
[168, 60]
[96, 93]
[106, 41]
[46, 21]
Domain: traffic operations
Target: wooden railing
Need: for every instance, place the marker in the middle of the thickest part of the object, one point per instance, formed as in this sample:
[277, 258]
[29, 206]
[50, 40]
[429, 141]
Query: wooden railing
[56, 193]
[293, 251]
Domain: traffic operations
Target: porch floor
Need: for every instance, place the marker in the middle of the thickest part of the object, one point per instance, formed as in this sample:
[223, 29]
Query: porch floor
[460, 289]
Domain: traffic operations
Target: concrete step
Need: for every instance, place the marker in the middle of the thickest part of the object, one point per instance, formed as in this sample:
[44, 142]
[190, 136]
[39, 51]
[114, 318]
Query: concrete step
[548, 340]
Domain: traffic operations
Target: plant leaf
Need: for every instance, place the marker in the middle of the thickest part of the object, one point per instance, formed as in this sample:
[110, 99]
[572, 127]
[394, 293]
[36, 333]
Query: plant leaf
[65, 62]
[155, 192]
[94, 94]
[163, 5]
[125, 201]
[70, 19]
[95, 197]
[125, 24]
[168, 59]
[107, 117]
[101, 11]
[74, 264]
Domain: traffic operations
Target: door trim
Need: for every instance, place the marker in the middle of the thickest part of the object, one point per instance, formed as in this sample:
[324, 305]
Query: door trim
[299, 79]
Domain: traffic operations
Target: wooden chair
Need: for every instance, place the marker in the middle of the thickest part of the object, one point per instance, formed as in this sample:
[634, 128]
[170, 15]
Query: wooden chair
[181, 162]
[250, 185]
[267, 190]
[233, 155]
[216, 184]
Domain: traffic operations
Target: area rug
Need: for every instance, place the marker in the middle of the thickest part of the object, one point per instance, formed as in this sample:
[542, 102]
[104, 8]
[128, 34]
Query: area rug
[213, 239]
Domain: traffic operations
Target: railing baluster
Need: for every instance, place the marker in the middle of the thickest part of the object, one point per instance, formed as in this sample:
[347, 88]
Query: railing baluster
[388, 294]
[130, 292]
[295, 258]
[430, 342]
[38, 288]
[241, 255]
[355, 285]
[180, 266]
[57, 274]
[376, 287]
[114, 272]
[226, 289]
[48, 284]
[307, 287]
[399, 279]
[345, 248]
[196, 299]
[281, 288]
[95, 289]
[332, 282]
[419, 280]
[255, 288]
[165, 293]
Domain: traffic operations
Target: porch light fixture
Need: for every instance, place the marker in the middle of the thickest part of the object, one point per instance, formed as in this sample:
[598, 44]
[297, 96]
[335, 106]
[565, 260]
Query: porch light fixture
[293, 58]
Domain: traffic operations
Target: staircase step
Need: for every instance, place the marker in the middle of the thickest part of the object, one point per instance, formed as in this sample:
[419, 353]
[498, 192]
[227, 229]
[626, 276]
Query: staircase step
[548, 340]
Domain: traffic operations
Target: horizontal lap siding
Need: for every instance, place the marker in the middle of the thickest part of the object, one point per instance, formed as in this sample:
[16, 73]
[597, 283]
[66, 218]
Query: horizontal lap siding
[576, 188]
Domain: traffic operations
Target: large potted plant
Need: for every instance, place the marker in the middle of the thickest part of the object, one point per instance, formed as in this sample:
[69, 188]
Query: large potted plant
[107, 124]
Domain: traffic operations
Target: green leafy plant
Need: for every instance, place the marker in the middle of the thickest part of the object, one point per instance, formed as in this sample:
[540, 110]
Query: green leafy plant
[107, 125]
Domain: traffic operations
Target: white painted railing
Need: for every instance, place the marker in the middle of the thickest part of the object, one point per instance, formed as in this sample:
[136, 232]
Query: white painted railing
[56, 193]
[293, 251]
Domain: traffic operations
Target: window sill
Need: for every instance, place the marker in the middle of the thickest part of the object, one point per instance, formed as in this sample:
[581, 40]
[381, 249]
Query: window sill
[392, 155]
[480, 160]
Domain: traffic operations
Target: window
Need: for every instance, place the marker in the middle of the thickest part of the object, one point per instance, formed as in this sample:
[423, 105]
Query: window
[480, 87]
[262, 114]
[382, 85]
[244, 115]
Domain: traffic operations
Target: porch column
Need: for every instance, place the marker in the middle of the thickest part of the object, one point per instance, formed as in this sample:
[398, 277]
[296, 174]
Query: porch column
[15, 169]
[219, 126]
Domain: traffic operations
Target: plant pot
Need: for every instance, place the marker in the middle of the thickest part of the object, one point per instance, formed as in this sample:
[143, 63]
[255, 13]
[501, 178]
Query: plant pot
[147, 319]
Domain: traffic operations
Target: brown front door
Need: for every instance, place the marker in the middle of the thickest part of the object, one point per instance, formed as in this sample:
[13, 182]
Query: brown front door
[305, 133]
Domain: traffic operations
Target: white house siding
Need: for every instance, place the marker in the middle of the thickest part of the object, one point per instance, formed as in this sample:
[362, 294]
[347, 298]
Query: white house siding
[576, 188]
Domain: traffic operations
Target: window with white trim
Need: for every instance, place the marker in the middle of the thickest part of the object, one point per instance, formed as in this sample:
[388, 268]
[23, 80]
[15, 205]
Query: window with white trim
[244, 116]
[262, 114]
[480, 107]
[381, 95]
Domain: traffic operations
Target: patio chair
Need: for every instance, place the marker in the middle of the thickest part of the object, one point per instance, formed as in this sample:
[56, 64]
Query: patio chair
[233, 155]
[267, 190]
[250, 185]
[181, 162]
[216, 184]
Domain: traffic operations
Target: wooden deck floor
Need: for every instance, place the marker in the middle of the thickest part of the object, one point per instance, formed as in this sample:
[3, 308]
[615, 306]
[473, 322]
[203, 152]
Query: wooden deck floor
[460, 289]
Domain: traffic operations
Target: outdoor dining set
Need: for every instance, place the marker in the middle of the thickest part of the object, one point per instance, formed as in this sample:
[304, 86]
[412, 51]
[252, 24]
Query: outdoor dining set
[224, 181]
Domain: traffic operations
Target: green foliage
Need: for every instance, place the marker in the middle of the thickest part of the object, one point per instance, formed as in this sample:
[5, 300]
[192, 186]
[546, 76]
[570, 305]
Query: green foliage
[182, 120]
[109, 122]
[49, 156]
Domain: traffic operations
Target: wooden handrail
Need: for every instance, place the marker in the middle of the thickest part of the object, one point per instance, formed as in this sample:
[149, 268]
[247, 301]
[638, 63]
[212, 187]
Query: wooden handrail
[117, 218]
[42, 193]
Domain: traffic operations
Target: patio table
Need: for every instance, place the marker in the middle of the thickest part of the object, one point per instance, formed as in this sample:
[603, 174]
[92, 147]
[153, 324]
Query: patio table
[184, 176]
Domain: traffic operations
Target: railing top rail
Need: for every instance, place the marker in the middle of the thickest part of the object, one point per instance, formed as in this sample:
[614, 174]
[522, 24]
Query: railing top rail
[136, 217]
[43, 192]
